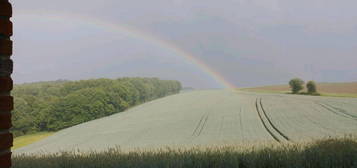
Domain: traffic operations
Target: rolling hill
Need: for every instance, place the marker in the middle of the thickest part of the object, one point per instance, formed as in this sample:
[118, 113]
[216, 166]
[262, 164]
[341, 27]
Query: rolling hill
[209, 118]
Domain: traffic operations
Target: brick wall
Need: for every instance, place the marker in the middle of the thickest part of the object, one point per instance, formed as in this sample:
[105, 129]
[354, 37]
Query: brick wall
[6, 101]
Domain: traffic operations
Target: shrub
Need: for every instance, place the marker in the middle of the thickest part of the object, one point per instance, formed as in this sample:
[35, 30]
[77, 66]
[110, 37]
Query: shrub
[296, 85]
[311, 87]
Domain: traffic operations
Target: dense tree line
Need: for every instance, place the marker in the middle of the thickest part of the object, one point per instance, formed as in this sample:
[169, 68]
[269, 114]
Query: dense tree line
[51, 106]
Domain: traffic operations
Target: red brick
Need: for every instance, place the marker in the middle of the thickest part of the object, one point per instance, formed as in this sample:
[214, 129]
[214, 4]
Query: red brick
[6, 103]
[5, 121]
[6, 141]
[5, 160]
[6, 67]
[5, 27]
[6, 84]
[5, 47]
[5, 8]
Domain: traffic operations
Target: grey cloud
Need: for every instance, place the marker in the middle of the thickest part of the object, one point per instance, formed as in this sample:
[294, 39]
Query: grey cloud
[278, 38]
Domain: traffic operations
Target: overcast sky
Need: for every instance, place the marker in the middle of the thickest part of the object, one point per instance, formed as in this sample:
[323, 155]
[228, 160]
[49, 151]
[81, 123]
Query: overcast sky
[249, 42]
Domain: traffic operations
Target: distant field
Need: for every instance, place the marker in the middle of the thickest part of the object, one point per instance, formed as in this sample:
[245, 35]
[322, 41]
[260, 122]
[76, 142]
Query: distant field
[328, 89]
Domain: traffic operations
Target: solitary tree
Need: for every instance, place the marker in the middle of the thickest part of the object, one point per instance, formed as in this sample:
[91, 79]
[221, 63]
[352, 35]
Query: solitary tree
[311, 87]
[296, 85]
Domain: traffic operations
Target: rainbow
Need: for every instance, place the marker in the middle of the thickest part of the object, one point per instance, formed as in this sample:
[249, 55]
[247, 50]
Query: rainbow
[135, 33]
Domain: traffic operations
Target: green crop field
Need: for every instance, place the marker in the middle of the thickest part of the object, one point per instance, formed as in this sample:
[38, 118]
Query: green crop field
[331, 153]
[209, 118]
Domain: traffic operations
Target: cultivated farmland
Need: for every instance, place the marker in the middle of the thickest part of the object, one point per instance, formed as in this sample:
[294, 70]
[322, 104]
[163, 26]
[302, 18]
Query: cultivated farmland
[209, 118]
[348, 89]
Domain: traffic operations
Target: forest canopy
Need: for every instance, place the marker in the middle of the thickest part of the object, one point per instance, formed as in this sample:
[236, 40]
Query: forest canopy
[51, 106]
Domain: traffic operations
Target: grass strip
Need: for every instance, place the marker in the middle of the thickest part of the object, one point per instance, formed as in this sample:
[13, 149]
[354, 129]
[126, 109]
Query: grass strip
[29, 139]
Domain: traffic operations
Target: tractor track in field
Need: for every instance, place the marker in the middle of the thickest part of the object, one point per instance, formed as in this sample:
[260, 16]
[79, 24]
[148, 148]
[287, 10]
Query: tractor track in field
[221, 126]
[309, 116]
[269, 126]
[264, 124]
[271, 123]
[241, 124]
[200, 126]
[337, 111]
